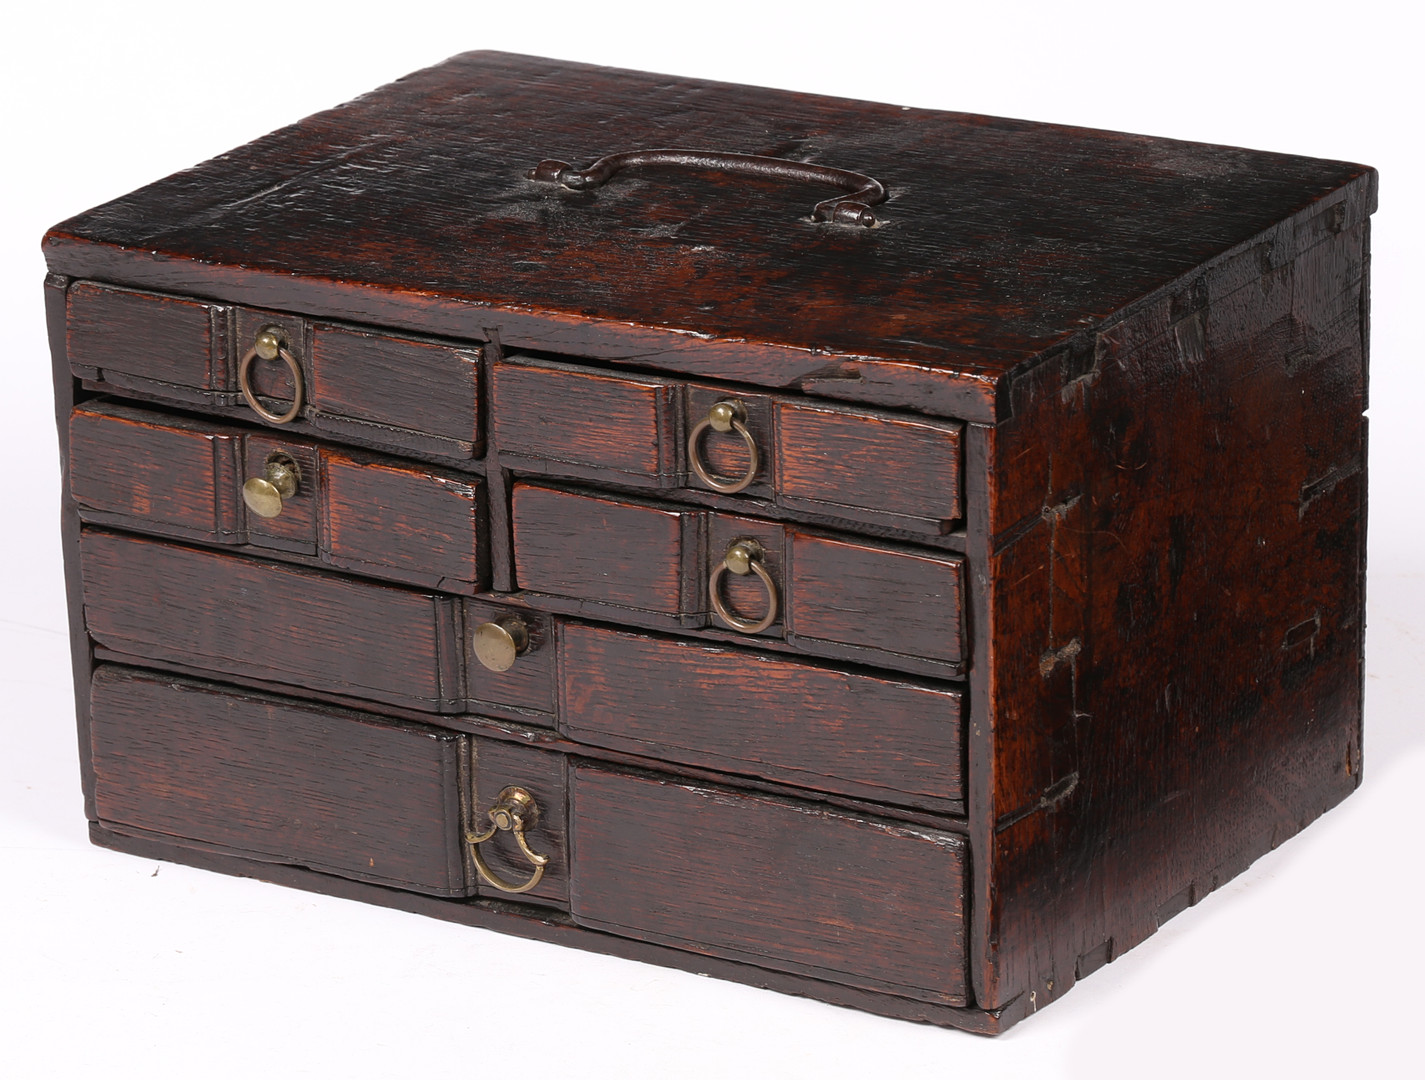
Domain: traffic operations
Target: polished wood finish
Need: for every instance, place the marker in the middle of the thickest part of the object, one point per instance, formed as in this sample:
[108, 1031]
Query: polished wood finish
[798, 888]
[176, 476]
[431, 388]
[855, 465]
[775, 717]
[139, 339]
[932, 312]
[1061, 488]
[225, 613]
[334, 792]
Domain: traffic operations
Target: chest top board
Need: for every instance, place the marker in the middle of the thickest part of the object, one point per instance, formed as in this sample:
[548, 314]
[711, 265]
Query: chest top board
[892, 556]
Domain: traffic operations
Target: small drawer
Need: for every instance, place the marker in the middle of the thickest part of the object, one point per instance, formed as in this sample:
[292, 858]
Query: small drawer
[233, 615]
[371, 387]
[340, 792]
[893, 471]
[788, 886]
[661, 565]
[198, 480]
[750, 713]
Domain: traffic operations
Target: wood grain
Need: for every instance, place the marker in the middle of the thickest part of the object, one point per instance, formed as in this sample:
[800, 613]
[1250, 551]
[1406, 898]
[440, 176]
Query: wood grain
[867, 466]
[551, 415]
[401, 225]
[337, 792]
[399, 382]
[774, 717]
[174, 474]
[601, 549]
[226, 613]
[162, 338]
[863, 594]
[781, 885]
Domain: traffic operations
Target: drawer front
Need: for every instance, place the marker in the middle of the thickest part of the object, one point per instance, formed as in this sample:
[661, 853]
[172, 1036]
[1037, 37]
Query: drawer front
[896, 472]
[367, 386]
[773, 717]
[239, 616]
[181, 477]
[333, 791]
[656, 565]
[341, 792]
[773, 883]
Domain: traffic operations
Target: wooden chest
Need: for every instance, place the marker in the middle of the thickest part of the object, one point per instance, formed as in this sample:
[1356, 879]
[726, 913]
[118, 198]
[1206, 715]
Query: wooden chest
[895, 557]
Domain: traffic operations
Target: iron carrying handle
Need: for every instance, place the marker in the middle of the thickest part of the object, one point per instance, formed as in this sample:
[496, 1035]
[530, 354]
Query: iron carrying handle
[851, 209]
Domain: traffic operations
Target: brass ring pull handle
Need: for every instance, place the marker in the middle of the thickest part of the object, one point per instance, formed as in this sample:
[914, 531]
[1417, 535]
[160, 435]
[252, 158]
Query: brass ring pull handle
[730, 415]
[270, 345]
[743, 557]
[266, 494]
[853, 208]
[514, 810]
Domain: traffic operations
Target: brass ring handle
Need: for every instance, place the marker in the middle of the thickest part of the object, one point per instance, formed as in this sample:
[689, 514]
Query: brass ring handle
[744, 557]
[266, 494]
[269, 346]
[514, 809]
[729, 415]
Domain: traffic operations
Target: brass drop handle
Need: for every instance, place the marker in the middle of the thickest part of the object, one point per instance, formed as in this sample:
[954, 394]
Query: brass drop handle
[270, 344]
[513, 812]
[497, 643]
[725, 416]
[265, 494]
[743, 557]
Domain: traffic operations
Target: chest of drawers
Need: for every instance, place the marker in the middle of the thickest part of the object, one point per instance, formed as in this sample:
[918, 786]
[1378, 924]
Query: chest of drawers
[894, 557]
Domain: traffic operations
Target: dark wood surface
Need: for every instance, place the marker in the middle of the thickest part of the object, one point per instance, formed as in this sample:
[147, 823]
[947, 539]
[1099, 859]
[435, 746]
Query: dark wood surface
[165, 339]
[322, 789]
[1174, 552]
[1134, 520]
[1002, 238]
[376, 378]
[542, 924]
[607, 550]
[227, 613]
[743, 711]
[779, 884]
[863, 594]
[604, 424]
[178, 476]
[891, 470]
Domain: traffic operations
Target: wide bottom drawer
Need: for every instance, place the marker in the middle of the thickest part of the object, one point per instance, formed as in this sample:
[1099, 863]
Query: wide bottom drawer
[781, 884]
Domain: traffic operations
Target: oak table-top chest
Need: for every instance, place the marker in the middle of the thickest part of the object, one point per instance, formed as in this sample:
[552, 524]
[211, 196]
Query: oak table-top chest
[890, 556]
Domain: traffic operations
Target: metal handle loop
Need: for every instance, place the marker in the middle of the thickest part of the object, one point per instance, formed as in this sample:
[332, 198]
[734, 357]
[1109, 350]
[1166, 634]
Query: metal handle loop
[269, 346]
[743, 557]
[514, 808]
[725, 416]
[851, 209]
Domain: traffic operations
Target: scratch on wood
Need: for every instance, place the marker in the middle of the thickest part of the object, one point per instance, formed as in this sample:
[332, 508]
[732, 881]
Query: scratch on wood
[1054, 657]
[1316, 489]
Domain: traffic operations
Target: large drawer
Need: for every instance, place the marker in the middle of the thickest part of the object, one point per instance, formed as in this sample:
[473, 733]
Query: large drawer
[341, 792]
[791, 886]
[664, 565]
[781, 884]
[363, 385]
[177, 476]
[890, 470]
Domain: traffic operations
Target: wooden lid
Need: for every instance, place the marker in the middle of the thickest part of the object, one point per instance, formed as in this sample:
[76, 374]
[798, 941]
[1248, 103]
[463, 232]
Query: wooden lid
[411, 206]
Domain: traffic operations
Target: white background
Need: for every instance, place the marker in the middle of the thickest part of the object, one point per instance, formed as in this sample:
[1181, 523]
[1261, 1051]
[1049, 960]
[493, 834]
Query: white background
[1307, 965]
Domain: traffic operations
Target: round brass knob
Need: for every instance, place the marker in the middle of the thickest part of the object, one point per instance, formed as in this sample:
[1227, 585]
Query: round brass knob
[264, 494]
[724, 416]
[498, 643]
[743, 557]
[270, 344]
